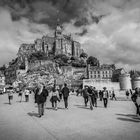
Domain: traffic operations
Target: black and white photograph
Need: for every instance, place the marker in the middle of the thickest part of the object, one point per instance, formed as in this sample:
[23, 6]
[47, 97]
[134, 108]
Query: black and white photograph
[69, 69]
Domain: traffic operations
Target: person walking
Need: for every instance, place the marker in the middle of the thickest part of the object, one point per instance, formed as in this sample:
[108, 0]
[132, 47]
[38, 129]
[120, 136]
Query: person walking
[54, 98]
[85, 95]
[101, 95]
[113, 95]
[95, 96]
[20, 95]
[65, 93]
[91, 97]
[105, 97]
[10, 96]
[136, 100]
[127, 94]
[26, 92]
[40, 98]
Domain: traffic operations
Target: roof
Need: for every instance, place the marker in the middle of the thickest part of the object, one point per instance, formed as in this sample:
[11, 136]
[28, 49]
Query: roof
[100, 68]
[119, 71]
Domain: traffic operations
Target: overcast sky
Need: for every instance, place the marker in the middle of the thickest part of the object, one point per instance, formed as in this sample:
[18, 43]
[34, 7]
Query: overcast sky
[106, 29]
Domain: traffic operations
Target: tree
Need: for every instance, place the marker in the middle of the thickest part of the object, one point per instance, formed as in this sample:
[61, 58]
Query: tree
[93, 61]
[84, 55]
[62, 57]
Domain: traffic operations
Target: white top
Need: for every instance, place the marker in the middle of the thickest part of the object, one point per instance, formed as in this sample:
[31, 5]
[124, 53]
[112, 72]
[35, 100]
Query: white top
[105, 94]
[26, 92]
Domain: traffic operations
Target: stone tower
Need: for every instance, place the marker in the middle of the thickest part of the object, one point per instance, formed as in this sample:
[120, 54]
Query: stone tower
[135, 82]
[125, 81]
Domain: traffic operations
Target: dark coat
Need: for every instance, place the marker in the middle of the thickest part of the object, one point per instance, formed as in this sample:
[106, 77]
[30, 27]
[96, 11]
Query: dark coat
[65, 92]
[134, 96]
[42, 97]
[85, 92]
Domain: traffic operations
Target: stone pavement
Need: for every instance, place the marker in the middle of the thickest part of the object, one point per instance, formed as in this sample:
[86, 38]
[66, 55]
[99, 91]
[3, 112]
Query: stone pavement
[19, 121]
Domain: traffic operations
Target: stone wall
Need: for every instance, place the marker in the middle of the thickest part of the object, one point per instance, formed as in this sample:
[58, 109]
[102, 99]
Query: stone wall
[99, 84]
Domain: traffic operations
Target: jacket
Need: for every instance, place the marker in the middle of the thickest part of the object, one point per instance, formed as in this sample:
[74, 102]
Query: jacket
[134, 96]
[85, 93]
[40, 98]
[65, 92]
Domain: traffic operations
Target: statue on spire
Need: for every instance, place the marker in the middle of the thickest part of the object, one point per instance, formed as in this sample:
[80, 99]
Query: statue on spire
[58, 30]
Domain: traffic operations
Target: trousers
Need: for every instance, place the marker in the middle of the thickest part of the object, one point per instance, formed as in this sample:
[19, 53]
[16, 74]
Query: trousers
[66, 102]
[105, 100]
[41, 109]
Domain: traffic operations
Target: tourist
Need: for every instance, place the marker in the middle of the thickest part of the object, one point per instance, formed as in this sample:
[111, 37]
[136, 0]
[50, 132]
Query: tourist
[95, 96]
[79, 91]
[136, 99]
[113, 96]
[85, 95]
[10, 95]
[20, 95]
[127, 94]
[91, 97]
[101, 95]
[40, 98]
[26, 92]
[105, 97]
[60, 93]
[65, 93]
[54, 97]
[46, 93]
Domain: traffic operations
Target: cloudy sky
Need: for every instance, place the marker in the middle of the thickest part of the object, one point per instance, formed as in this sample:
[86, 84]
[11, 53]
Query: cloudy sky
[107, 29]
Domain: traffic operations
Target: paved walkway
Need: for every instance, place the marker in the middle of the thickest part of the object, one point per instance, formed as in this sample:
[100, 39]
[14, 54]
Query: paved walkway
[19, 121]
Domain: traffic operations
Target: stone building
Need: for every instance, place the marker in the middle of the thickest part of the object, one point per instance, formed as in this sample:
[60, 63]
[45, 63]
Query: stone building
[2, 79]
[102, 72]
[58, 44]
[49, 47]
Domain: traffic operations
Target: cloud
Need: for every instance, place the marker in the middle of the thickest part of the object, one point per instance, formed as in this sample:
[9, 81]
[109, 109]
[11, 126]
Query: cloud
[14, 33]
[107, 29]
[116, 39]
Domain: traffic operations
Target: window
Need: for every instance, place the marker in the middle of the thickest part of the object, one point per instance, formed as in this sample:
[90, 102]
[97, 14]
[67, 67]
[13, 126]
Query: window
[94, 76]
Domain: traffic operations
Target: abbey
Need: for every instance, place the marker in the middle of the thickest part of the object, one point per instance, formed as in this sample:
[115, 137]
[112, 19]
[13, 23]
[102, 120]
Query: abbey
[52, 46]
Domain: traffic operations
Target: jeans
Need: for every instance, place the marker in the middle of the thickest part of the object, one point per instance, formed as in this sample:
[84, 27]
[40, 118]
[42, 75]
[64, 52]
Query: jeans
[54, 104]
[105, 102]
[95, 102]
[86, 100]
[66, 102]
[41, 109]
[91, 99]
[137, 108]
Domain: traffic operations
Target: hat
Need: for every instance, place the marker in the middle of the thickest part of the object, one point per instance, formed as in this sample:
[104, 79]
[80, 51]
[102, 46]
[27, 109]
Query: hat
[104, 87]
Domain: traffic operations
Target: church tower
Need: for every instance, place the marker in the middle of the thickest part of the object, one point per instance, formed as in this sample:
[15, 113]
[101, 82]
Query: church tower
[58, 38]
[58, 31]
